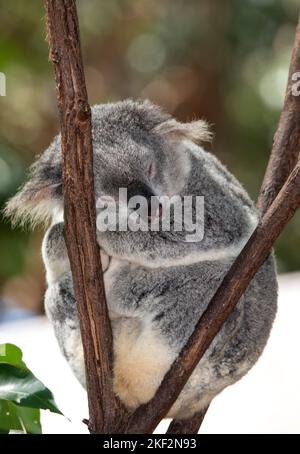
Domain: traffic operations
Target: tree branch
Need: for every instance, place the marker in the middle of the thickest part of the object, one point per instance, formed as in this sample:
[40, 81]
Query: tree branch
[286, 144]
[187, 426]
[80, 213]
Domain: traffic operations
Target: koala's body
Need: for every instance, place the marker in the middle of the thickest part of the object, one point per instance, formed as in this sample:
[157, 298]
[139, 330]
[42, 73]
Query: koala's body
[157, 284]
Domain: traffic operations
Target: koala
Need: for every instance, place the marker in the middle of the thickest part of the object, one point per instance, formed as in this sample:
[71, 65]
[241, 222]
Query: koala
[157, 283]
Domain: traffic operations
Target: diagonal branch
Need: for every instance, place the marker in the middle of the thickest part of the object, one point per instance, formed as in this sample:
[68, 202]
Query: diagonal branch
[286, 144]
[79, 211]
[187, 426]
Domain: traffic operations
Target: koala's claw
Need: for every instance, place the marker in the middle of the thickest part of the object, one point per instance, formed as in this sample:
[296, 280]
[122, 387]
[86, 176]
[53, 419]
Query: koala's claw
[54, 251]
[105, 260]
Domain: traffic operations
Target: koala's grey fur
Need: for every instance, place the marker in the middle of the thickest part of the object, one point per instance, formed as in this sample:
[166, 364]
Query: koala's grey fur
[157, 284]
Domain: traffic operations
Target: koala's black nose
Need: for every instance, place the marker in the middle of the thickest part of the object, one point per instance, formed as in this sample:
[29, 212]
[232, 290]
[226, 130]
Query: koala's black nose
[138, 188]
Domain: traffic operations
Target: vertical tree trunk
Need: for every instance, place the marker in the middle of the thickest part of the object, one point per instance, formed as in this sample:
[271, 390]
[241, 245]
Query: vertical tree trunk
[80, 213]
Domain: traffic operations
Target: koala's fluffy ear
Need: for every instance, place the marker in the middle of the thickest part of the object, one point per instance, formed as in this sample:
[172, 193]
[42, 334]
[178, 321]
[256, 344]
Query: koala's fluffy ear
[196, 131]
[41, 195]
[33, 204]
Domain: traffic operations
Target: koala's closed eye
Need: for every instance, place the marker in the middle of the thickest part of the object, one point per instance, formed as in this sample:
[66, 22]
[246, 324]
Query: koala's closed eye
[137, 188]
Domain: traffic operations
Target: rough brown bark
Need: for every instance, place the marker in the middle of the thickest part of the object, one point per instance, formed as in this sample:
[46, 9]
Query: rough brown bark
[286, 144]
[147, 416]
[79, 211]
[187, 426]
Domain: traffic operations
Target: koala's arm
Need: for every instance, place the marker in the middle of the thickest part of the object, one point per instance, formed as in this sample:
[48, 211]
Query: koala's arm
[60, 303]
[55, 255]
[229, 219]
[152, 249]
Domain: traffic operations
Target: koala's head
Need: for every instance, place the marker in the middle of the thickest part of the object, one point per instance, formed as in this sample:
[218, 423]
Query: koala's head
[136, 146]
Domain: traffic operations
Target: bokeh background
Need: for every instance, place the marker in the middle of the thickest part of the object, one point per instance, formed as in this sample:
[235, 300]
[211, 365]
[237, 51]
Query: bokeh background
[226, 61]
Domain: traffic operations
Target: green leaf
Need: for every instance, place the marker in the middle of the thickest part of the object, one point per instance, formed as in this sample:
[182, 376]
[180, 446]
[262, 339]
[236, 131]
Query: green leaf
[29, 419]
[15, 417]
[11, 354]
[21, 394]
[19, 385]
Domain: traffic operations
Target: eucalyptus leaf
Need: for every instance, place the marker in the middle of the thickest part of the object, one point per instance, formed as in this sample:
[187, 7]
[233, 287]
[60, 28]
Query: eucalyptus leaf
[19, 385]
[15, 417]
[29, 418]
[11, 354]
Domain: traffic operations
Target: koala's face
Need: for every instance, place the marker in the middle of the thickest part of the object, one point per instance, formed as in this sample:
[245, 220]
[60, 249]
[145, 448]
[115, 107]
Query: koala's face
[137, 147]
[141, 167]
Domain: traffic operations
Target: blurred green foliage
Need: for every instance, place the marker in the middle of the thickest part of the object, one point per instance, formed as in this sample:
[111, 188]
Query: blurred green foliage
[225, 61]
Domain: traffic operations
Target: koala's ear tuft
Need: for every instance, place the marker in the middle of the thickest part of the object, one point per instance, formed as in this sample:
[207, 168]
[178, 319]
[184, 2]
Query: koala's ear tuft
[37, 200]
[196, 131]
[33, 204]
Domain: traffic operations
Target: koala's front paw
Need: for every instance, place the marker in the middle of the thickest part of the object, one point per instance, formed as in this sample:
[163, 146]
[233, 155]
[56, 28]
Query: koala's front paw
[54, 252]
[142, 358]
[133, 387]
[55, 240]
